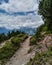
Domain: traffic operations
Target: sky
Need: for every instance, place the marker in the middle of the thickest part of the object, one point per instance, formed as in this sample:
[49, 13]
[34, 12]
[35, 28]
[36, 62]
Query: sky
[19, 13]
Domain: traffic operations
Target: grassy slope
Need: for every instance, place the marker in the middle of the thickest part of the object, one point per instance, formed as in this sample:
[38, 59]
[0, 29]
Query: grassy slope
[10, 47]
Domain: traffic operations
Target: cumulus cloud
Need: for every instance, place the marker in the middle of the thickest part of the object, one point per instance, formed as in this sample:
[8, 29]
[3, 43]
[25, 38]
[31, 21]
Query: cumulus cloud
[19, 5]
[15, 22]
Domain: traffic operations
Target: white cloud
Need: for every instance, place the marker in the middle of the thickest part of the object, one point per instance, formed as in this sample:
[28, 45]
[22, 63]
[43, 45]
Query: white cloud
[20, 5]
[12, 22]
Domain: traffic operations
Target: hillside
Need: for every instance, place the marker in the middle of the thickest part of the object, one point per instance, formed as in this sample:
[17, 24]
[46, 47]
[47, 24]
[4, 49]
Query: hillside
[43, 52]
[9, 46]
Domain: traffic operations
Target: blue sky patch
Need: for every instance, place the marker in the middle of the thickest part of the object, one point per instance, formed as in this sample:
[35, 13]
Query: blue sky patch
[6, 1]
[17, 13]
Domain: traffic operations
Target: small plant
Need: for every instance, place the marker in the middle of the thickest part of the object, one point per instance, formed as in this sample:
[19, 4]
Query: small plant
[33, 41]
[29, 50]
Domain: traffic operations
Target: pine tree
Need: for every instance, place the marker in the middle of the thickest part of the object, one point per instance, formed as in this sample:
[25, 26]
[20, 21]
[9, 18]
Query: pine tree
[45, 9]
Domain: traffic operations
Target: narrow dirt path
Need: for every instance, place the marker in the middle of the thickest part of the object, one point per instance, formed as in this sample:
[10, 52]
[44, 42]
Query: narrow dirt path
[21, 57]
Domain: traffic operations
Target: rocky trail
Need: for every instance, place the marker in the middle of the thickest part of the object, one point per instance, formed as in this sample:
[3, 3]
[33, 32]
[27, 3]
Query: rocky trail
[46, 42]
[21, 57]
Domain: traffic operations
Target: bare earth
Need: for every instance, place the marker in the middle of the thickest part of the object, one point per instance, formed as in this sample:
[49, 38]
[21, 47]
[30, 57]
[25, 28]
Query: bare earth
[46, 42]
[21, 57]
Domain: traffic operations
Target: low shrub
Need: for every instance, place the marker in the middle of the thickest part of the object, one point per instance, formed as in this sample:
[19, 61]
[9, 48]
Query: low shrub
[29, 50]
[7, 51]
[16, 41]
[33, 41]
